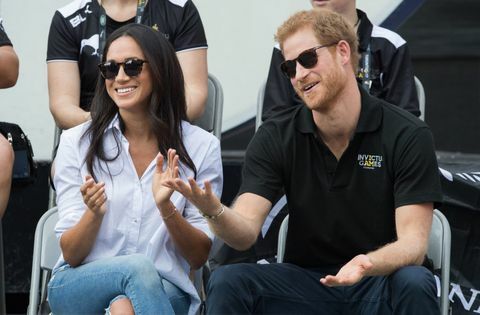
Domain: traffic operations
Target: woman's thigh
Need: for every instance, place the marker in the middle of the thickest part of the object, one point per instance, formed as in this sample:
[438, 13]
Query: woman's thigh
[89, 288]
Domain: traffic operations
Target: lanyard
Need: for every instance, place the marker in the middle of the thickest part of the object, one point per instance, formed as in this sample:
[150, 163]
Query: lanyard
[102, 22]
[365, 68]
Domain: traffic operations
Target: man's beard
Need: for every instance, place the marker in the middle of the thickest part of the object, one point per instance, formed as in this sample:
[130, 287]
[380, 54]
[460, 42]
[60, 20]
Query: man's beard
[330, 86]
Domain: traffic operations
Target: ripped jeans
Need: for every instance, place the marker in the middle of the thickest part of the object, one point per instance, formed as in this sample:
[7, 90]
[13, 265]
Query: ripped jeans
[89, 288]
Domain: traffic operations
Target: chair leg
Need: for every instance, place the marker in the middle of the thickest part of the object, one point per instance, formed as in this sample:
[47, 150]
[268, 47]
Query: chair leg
[3, 309]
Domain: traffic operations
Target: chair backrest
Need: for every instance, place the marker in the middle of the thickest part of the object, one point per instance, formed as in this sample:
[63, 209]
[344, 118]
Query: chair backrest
[46, 251]
[439, 246]
[260, 97]
[421, 97]
[211, 119]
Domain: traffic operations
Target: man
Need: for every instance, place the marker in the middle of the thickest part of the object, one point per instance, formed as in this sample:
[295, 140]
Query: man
[8, 78]
[385, 68]
[360, 176]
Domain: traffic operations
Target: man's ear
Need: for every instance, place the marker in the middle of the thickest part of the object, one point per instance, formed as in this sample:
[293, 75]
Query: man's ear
[343, 49]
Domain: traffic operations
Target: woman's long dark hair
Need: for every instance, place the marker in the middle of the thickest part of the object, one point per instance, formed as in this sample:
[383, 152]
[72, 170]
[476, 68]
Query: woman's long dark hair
[167, 106]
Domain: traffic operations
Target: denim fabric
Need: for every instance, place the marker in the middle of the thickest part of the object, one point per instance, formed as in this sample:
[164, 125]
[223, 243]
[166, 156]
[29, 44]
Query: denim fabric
[89, 288]
[289, 289]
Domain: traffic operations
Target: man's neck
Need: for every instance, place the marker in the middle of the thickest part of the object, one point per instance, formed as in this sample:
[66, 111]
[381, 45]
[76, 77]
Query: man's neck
[337, 125]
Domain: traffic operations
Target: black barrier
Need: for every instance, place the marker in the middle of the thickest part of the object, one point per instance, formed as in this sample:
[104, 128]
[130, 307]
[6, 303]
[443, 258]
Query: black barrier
[461, 189]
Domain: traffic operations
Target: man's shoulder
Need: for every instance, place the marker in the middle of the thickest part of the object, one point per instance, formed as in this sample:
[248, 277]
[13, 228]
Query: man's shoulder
[283, 117]
[400, 119]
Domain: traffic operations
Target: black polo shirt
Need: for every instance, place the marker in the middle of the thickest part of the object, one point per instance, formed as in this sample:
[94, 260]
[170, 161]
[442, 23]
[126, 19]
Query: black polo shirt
[339, 209]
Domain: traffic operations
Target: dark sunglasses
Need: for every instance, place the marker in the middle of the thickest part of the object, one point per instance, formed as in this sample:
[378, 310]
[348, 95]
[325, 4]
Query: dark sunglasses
[132, 67]
[307, 59]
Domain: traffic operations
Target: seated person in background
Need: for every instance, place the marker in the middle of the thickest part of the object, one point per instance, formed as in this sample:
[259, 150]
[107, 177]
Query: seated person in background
[8, 78]
[360, 176]
[384, 69]
[75, 44]
[128, 241]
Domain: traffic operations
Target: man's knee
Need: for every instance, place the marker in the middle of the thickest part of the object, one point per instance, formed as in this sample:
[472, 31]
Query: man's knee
[413, 280]
[227, 278]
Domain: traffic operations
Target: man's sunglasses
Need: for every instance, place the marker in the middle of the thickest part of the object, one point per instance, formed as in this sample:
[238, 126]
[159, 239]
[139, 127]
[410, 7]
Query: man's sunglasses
[307, 59]
[132, 67]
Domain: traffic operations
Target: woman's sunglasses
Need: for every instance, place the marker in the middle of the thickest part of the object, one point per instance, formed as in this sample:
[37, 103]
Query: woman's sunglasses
[132, 67]
[307, 59]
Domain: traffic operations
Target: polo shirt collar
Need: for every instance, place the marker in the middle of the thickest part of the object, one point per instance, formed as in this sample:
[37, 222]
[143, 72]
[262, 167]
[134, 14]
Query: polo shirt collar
[371, 114]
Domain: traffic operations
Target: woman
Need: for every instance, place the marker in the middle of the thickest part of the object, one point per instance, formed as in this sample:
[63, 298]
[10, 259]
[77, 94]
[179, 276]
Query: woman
[128, 242]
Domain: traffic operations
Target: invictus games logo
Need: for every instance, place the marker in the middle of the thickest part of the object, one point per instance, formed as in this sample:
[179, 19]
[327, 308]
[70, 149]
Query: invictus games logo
[369, 161]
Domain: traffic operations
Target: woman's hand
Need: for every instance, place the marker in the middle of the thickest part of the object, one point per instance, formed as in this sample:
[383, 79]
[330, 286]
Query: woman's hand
[162, 193]
[94, 195]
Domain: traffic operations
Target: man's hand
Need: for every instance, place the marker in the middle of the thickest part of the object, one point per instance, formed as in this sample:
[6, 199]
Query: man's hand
[204, 200]
[161, 192]
[351, 273]
[94, 196]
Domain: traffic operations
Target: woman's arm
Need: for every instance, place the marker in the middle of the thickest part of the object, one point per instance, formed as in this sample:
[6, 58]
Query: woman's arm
[193, 244]
[77, 242]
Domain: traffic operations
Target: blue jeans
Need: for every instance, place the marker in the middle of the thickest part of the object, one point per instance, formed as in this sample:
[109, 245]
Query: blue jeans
[89, 288]
[289, 289]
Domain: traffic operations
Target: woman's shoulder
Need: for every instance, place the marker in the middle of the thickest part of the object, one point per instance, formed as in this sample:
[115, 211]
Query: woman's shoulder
[195, 135]
[75, 133]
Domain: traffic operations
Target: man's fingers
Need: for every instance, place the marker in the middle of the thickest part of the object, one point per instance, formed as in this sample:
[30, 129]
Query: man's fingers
[330, 281]
[208, 188]
[195, 189]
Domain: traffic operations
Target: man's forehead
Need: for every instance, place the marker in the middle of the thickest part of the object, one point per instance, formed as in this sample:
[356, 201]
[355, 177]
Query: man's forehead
[298, 42]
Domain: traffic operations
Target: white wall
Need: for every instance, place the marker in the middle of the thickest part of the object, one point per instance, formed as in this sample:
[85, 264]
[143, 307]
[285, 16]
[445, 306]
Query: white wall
[240, 38]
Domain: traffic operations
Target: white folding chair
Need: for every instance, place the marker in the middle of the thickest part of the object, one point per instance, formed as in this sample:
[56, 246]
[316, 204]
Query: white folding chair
[421, 97]
[46, 251]
[439, 246]
[211, 119]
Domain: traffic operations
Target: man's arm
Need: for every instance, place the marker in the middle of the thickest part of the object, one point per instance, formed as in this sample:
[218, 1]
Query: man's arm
[238, 226]
[195, 73]
[64, 93]
[413, 223]
[8, 67]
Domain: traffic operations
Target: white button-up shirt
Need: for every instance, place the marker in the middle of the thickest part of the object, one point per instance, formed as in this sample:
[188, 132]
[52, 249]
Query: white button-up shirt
[132, 223]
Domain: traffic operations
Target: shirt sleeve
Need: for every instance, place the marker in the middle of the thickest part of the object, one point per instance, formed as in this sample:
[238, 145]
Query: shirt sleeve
[4, 40]
[209, 169]
[61, 40]
[279, 92]
[416, 171]
[189, 33]
[67, 180]
[262, 169]
[398, 82]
